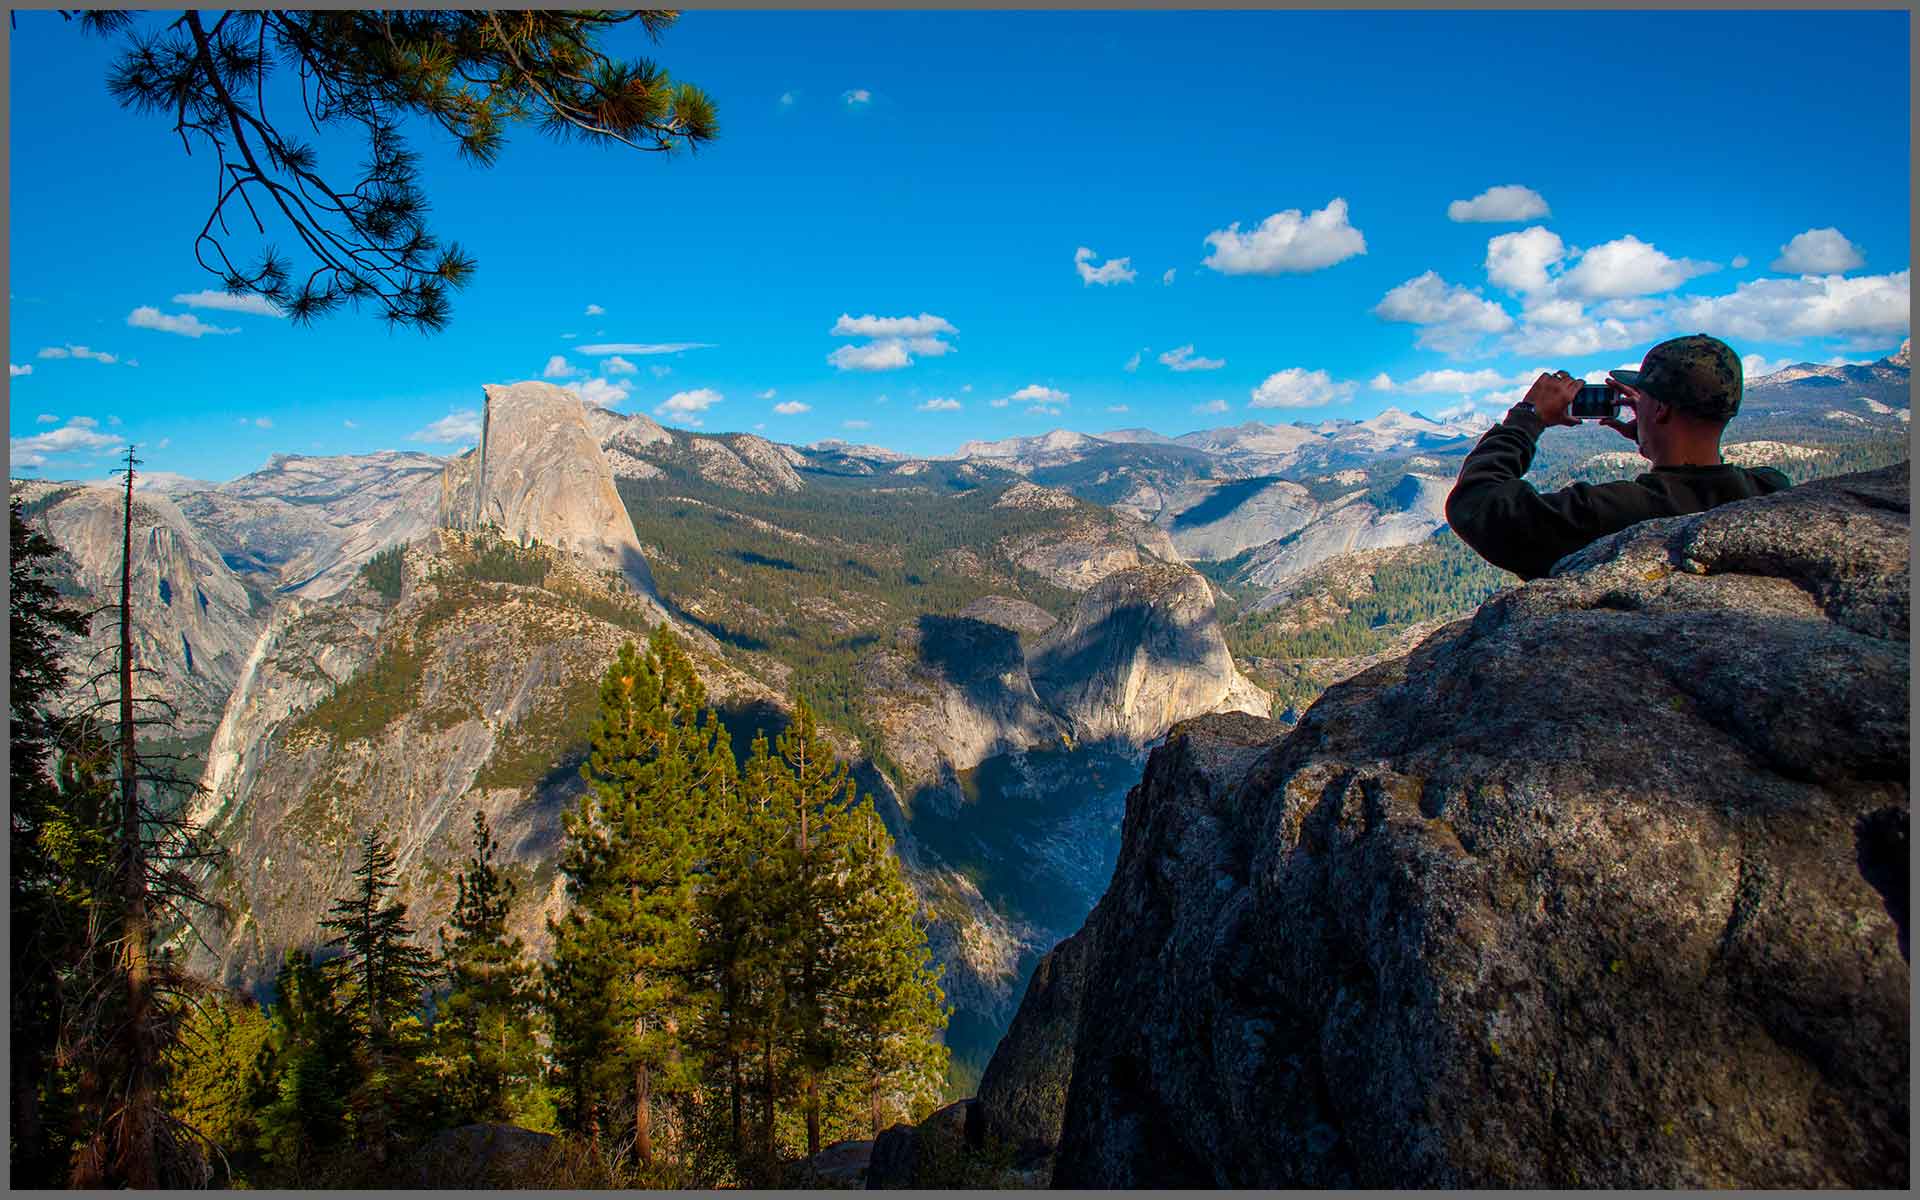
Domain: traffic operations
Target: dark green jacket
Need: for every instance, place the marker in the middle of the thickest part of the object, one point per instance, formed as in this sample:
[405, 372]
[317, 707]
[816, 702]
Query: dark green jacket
[1498, 513]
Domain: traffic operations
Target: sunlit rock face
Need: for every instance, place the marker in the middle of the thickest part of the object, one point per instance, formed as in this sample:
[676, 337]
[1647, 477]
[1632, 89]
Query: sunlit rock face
[1142, 652]
[539, 475]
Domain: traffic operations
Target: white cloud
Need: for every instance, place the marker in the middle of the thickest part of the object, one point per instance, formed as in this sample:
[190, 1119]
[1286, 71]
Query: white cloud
[1133, 364]
[1453, 412]
[1167, 279]
[456, 427]
[244, 302]
[792, 408]
[77, 435]
[924, 325]
[1518, 262]
[184, 324]
[1382, 382]
[1819, 252]
[856, 423]
[15, 369]
[887, 355]
[1628, 309]
[1628, 267]
[1739, 262]
[1753, 366]
[1783, 310]
[350, 423]
[930, 347]
[1044, 410]
[559, 368]
[939, 404]
[72, 351]
[1287, 242]
[1211, 406]
[1451, 382]
[600, 348]
[1182, 358]
[618, 366]
[47, 419]
[1508, 202]
[602, 392]
[1451, 316]
[855, 96]
[1114, 270]
[998, 402]
[659, 371]
[594, 310]
[786, 99]
[966, 387]
[1037, 394]
[263, 422]
[687, 405]
[567, 337]
[1116, 408]
[1584, 336]
[767, 395]
[1297, 387]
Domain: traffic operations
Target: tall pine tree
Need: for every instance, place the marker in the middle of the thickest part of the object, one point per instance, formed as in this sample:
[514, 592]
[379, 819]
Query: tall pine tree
[485, 1025]
[622, 982]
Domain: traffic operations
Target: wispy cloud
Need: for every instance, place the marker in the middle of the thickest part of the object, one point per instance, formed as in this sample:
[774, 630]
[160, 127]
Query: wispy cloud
[939, 404]
[1114, 270]
[1508, 202]
[184, 324]
[1167, 279]
[1133, 364]
[457, 427]
[1819, 252]
[559, 368]
[769, 394]
[1297, 387]
[14, 370]
[686, 407]
[1182, 358]
[856, 423]
[243, 302]
[350, 423]
[1211, 406]
[594, 310]
[792, 408]
[78, 435]
[1287, 243]
[46, 419]
[787, 99]
[601, 348]
[72, 351]
[618, 366]
[856, 97]
[1116, 408]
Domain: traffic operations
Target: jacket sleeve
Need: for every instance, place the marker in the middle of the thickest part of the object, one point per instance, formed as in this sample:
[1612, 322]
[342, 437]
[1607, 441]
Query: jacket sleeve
[1498, 513]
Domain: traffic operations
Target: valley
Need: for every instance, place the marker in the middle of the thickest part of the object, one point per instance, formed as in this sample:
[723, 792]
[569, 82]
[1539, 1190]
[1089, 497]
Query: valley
[995, 639]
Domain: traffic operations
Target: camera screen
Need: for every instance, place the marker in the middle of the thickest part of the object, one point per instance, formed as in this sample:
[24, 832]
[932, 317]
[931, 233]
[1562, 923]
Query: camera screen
[1593, 402]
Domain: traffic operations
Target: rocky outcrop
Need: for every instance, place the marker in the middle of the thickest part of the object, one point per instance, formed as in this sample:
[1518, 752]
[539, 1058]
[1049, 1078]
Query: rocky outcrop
[1605, 886]
[1143, 651]
[1217, 519]
[1082, 543]
[539, 475]
[627, 440]
[193, 621]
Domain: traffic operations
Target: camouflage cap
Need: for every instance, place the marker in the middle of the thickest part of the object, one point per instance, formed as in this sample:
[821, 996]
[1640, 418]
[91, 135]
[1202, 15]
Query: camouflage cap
[1698, 375]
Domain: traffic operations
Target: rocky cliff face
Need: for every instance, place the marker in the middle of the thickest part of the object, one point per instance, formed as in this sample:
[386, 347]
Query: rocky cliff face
[1408, 513]
[538, 475]
[1605, 886]
[193, 621]
[1142, 652]
[304, 526]
[354, 712]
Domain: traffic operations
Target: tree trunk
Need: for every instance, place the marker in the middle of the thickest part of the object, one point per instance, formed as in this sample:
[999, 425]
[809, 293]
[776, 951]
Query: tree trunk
[134, 1156]
[813, 1112]
[738, 1082]
[643, 1115]
[873, 1100]
[766, 1100]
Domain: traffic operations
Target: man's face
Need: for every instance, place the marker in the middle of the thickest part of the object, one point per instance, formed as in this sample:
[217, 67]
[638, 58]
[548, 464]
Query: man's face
[1646, 432]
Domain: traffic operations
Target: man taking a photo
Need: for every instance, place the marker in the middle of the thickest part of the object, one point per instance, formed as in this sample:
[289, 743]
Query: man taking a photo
[1682, 397]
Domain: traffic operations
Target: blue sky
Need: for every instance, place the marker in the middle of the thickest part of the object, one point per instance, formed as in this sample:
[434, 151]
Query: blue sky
[931, 178]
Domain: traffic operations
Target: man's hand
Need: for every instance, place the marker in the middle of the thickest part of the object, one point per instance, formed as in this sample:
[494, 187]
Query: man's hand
[1551, 395]
[1628, 399]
